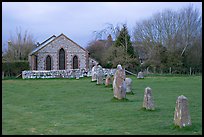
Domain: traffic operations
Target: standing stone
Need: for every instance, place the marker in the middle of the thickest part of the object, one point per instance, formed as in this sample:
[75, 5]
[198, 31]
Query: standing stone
[94, 73]
[100, 75]
[129, 85]
[148, 102]
[140, 75]
[108, 80]
[181, 115]
[119, 85]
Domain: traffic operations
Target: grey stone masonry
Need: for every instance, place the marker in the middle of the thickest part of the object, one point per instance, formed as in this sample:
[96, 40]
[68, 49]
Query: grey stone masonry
[71, 73]
[52, 49]
[148, 102]
[181, 115]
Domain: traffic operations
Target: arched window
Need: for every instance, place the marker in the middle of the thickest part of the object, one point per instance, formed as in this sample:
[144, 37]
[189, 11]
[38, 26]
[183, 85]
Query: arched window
[75, 62]
[48, 63]
[61, 59]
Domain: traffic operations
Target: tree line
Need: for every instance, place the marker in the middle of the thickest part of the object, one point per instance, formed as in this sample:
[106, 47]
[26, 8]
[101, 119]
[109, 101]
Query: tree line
[168, 41]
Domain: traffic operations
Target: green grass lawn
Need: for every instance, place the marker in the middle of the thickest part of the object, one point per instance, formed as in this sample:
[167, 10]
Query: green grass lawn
[69, 106]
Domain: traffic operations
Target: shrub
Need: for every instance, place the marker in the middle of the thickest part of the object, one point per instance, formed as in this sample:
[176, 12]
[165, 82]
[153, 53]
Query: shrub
[14, 68]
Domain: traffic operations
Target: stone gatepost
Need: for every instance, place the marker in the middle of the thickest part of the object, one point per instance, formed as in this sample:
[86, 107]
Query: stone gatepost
[181, 115]
[148, 102]
[128, 85]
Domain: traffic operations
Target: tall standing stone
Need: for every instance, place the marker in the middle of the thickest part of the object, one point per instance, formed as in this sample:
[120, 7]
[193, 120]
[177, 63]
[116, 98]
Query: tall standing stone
[100, 75]
[119, 85]
[148, 102]
[181, 115]
[128, 85]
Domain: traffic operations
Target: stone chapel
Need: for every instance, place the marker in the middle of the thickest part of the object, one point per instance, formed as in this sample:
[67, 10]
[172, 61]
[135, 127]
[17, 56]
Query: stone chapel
[60, 53]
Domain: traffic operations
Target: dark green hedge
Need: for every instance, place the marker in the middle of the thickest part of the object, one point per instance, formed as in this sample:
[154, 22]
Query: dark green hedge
[14, 68]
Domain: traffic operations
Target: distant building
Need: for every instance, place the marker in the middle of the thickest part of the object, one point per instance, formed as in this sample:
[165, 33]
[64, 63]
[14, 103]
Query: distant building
[107, 43]
[59, 53]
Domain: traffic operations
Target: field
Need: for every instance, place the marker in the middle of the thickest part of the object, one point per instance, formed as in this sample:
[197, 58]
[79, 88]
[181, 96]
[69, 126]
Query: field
[69, 106]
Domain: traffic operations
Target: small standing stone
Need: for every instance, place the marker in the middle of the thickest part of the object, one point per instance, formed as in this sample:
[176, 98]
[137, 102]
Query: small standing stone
[119, 85]
[129, 85]
[140, 75]
[181, 115]
[108, 80]
[148, 102]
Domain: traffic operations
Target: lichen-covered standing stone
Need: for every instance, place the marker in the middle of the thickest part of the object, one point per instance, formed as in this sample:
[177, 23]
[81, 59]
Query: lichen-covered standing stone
[119, 85]
[148, 102]
[181, 115]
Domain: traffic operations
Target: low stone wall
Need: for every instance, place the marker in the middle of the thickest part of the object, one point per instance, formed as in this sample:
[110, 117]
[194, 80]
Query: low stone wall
[72, 73]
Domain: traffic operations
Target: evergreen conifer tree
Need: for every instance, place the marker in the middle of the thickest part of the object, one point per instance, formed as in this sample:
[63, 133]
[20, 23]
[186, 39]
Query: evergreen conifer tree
[123, 40]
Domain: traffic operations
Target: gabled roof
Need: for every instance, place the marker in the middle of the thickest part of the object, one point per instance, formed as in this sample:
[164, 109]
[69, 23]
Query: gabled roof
[73, 42]
[51, 39]
[43, 44]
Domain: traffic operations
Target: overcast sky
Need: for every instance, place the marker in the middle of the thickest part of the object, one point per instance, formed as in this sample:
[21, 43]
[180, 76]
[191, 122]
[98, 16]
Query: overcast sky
[77, 20]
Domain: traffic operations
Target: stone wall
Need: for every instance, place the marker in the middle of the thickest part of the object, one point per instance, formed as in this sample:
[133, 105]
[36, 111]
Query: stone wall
[71, 73]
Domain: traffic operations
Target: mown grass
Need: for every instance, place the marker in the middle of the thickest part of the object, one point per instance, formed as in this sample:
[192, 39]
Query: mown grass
[69, 106]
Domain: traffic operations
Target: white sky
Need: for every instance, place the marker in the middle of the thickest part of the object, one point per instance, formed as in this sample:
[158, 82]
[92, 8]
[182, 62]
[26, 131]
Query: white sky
[77, 20]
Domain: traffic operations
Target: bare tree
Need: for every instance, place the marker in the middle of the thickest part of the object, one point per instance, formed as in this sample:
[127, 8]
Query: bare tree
[109, 29]
[19, 46]
[191, 26]
[177, 31]
[96, 50]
